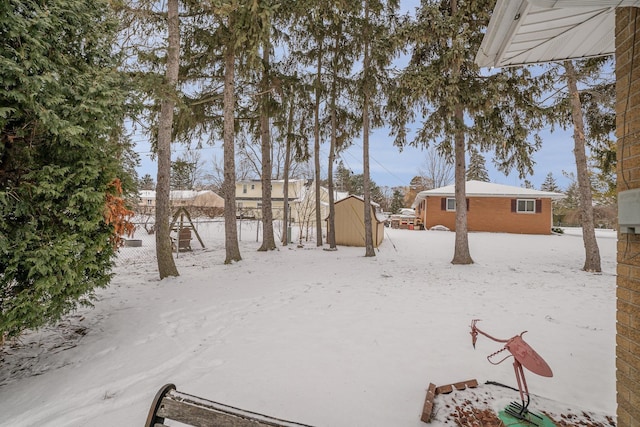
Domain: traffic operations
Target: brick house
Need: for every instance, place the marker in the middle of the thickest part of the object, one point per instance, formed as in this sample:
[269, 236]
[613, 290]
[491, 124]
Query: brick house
[576, 29]
[490, 207]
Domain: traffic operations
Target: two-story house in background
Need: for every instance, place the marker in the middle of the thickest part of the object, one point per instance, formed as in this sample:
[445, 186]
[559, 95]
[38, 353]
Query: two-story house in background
[249, 196]
[301, 200]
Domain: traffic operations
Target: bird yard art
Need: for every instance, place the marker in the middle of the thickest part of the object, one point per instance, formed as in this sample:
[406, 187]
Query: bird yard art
[523, 357]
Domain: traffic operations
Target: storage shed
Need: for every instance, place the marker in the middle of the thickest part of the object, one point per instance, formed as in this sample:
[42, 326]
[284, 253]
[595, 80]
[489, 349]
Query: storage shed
[349, 222]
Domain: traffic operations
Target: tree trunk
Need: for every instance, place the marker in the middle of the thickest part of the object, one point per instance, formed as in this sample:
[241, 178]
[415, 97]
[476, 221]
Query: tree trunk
[461, 253]
[268, 240]
[316, 147]
[229, 183]
[331, 231]
[164, 255]
[366, 64]
[287, 161]
[592, 253]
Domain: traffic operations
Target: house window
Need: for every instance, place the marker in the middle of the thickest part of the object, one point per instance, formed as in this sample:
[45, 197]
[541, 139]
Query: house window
[259, 205]
[253, 186]
[149, 202]
[239, 204]
[244, 188]
[451, 204]
[526, 206]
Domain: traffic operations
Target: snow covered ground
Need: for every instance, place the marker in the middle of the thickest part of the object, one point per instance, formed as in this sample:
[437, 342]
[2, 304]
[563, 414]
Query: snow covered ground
[324, 338]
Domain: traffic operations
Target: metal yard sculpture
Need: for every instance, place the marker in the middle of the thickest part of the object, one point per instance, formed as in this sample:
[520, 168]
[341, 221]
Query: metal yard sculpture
[524, 356]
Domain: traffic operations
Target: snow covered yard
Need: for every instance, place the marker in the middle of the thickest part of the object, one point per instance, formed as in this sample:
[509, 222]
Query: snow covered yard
[325, 338]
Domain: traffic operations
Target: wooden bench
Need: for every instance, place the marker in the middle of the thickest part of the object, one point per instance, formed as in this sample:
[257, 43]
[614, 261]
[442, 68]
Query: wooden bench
[170, 404]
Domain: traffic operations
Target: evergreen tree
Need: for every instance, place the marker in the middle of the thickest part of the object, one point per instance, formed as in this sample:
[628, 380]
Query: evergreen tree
[182, 174]
[166, 263]
[152, 41]
[375, 36]
[146, 182]
[603, 177]
[356, 187]
[443, 85]
[564, 208]
[223, 44]
[550, 184]
[572, 201]
[308, 43]
[397, 202]
[341, 55]
[568, 112]
[592, 252]
[477, 169]
[343, 178]
[61, 108]
[266, 108]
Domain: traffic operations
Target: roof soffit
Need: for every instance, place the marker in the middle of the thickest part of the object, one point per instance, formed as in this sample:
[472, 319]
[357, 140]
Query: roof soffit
[535, 31]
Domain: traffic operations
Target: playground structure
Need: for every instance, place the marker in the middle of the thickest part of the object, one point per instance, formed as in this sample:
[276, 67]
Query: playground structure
[182, 224]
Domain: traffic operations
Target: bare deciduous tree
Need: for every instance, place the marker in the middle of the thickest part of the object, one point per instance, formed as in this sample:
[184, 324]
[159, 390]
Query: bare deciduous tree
[437, 168]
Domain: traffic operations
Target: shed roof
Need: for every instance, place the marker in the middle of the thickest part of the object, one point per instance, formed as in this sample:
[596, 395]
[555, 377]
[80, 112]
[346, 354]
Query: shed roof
[487, 189]
[378, 215]
[537, 31]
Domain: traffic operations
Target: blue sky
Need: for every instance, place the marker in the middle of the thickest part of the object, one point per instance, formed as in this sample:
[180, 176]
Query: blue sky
[392, 167]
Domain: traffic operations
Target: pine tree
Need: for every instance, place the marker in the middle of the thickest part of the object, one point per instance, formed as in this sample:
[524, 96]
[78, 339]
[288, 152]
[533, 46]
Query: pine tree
[182, 174]
[146, 182]
[375, 36]
[550, 184]
[166, 263]
[397, 202]
[61, 108]
[343, 178]
[308, 44]
[223, 45]
[341, 55]
[443, 86]
[592, 252]
[477, 169]
[568, 112]
[266, 108]
[153, 40]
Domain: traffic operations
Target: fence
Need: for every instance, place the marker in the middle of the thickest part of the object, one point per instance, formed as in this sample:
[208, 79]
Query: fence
[141, 247]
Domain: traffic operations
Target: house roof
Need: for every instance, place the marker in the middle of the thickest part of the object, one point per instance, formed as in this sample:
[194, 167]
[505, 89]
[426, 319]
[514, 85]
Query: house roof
[537, 31]
[487, 189]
